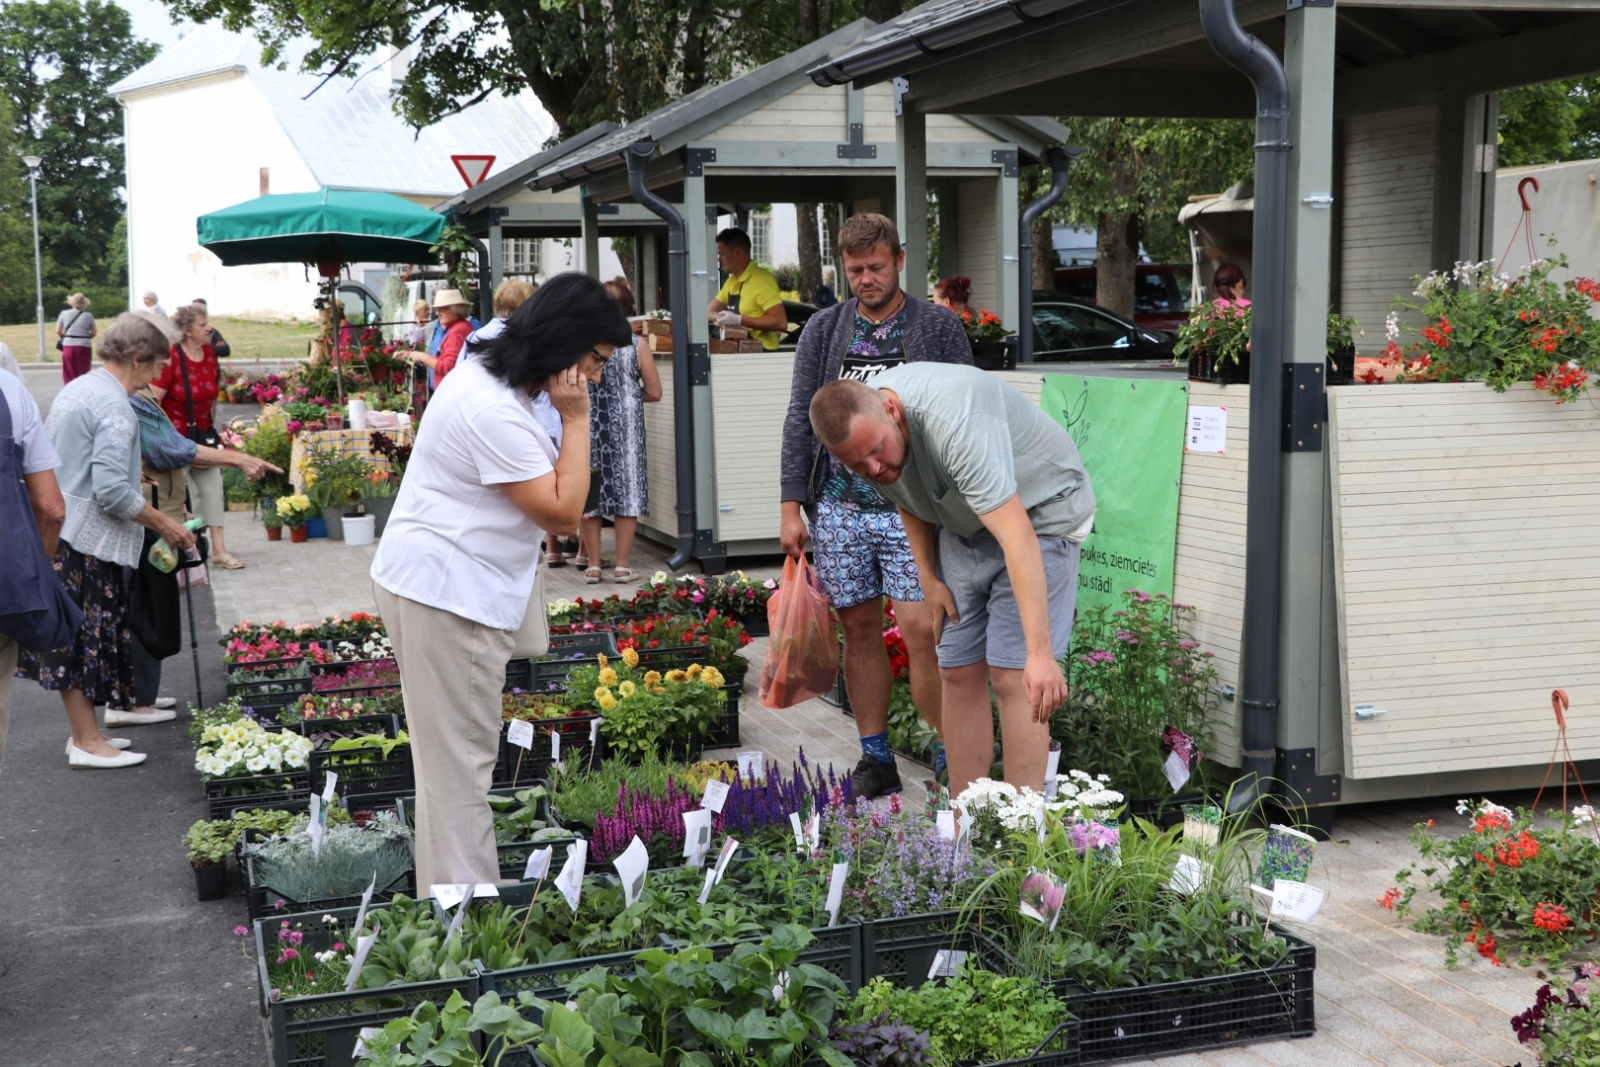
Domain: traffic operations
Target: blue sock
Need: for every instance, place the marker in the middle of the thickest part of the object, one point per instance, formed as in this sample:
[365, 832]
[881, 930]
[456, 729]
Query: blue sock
[876, 746]
[938, 756]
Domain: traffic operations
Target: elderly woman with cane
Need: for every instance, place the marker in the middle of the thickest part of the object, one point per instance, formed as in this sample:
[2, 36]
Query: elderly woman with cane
[456, 571]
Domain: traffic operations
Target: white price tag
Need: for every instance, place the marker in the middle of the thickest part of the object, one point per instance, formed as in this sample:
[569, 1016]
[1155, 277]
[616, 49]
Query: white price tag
[555, 744]
[455, 923]
[716, 795]
[946, 822]
[520, 733]
[1189, 875]
[1293, 900]
[729, 846]
[363, 950]
[752, 766]
[361, 1039]
[814, 832]
[366, 902]
[1176, 770]
[696, 836]
[570, 880]
[799, 831]
[538, 867]
[705, 891]
[964, 834]
[947, 963]
[1052, 768]
[1038, 815]
[449, 895]
[315, 826]
[594, 731]
[841, 871]
[327, 787]
[632, 866]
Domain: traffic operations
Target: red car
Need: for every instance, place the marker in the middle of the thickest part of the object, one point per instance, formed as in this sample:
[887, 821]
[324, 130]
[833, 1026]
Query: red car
[1158, 302]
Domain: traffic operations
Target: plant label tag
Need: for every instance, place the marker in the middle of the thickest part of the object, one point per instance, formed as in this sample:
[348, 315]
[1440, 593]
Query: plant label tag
[729, 846]
[1189, 875]
[705, 891]
[947, 963]
[1295, 900]
[964, 831]
[363, 950]
[1052, 768]
[460, 916]
[315, 826]
[570, 880]
[361, 1039]
[520, 733]
[799, 831]
[814, 832]
[1038, 817]
[632, 866]
[1177, 771]
[327, 787]
[841, 871]
[366, 902]
[696, 836]
[751, 766]
[449, 895]
[538, 868]
[946, 822]
[594, 730]
[555, 744]
[716, 795]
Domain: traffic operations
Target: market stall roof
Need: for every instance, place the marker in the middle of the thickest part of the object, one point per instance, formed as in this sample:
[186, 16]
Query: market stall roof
[1151, 59]
[327, 225]
[696, 114]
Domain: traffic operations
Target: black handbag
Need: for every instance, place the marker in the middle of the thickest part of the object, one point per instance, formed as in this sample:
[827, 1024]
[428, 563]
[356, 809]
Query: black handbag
[61, 342]
[208, 437]
[35, 610]
[153, 606]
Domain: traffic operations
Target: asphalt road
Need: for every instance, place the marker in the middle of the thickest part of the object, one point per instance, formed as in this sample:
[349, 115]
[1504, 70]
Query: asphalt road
[106, 957]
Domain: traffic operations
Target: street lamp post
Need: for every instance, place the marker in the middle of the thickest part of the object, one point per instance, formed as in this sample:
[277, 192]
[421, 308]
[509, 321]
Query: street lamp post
[38, 264]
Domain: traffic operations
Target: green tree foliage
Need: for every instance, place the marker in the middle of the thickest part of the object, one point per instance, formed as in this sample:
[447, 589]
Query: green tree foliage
[16, 226]
[1550, 123]
[1135, 177]
[57, 59]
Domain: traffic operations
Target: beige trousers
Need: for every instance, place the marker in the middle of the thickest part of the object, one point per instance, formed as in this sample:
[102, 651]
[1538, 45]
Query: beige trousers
[451, 672]
[8, 668]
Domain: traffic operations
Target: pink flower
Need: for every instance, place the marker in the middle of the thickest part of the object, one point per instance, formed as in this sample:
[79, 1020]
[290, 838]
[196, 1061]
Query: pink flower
[288, 954]
[241, 931]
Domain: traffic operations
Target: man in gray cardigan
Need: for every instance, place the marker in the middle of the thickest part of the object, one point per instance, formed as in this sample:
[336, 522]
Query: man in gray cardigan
[860, 549]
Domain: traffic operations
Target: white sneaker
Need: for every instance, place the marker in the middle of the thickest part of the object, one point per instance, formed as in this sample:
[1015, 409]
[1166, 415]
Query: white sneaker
[163, 703]
[123, 717]
[114, 742]
[79, 760]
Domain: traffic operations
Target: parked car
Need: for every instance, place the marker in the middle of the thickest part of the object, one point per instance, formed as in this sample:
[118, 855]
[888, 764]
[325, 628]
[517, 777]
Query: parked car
[1158, 299]
[1072, 331]
[361, 304]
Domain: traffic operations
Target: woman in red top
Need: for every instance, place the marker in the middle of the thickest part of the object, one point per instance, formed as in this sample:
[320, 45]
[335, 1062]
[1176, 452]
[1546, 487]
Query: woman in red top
[189, 383]
[455, 315]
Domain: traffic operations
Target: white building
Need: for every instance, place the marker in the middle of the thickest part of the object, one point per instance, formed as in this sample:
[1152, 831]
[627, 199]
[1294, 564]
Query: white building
[208, 126]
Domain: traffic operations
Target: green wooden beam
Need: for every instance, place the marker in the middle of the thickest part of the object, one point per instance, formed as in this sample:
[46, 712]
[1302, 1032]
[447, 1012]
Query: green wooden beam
[1221, 94]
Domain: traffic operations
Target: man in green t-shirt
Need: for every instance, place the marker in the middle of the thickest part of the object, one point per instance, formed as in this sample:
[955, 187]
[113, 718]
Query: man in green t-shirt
[750, 297]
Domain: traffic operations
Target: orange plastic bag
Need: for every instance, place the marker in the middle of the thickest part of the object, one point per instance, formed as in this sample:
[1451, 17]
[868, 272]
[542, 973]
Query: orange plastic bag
[803, 653]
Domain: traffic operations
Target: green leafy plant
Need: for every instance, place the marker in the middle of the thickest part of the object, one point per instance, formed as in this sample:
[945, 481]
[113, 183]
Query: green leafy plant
[445, 1035]
[1562, 1027]
[351, 857]
[211, 841]
[360, 749]
[333, 480]
[1220, 327]
[977, 1015]
[519, 816]
[579, 793]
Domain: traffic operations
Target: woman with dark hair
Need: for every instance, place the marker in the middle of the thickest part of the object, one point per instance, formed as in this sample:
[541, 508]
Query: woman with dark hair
[459, 557]
[953, 293]
[96, 435]
[629, 383]
[1228, 283]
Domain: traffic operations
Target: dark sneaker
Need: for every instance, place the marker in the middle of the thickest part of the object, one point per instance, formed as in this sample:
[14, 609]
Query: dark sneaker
[874, 778]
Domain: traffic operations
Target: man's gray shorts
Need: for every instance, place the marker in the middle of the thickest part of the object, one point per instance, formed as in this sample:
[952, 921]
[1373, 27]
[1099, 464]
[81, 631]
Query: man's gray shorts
[991, 628]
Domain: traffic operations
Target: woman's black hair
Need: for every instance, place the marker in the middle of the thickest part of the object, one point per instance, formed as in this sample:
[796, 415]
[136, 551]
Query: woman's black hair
[553, 329]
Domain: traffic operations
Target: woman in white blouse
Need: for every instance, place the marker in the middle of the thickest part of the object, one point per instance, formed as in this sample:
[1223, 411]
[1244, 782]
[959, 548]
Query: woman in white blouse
[459, 555]
[96, 435]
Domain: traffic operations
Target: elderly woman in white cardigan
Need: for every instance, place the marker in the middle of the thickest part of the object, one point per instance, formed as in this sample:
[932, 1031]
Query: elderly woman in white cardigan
[96, 435]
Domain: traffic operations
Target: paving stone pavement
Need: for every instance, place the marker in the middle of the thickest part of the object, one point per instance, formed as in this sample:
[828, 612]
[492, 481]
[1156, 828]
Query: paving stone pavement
[1384, 996]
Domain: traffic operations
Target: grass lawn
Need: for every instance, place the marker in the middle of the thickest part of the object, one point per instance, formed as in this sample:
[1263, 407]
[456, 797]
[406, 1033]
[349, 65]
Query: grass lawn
[249, 340]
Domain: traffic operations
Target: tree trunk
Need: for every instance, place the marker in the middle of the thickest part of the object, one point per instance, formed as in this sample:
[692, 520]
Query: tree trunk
[1044, 253]
[1117, 249]
[882, 10]
[830, 240]
[810, 249]
[625, 249]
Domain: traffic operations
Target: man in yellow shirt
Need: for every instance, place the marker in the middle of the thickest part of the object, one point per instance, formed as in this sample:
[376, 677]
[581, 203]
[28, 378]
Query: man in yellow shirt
[750, 297]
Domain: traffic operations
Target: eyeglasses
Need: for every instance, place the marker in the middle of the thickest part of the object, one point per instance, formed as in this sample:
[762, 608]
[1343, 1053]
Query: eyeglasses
[598, 357]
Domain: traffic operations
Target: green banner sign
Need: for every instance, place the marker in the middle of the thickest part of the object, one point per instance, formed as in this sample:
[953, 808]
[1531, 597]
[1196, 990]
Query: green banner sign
[1130, 434]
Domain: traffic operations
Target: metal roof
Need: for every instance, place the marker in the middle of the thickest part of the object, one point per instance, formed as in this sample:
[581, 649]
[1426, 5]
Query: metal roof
[347, 131]
[518, 174]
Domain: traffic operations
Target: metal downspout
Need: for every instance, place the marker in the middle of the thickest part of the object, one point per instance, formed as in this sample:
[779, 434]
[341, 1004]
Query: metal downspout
[638, 156]
[1060, 159]
[1264, 528]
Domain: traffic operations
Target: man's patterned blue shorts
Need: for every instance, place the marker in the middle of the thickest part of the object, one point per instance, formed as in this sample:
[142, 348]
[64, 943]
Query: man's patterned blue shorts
[862, 554]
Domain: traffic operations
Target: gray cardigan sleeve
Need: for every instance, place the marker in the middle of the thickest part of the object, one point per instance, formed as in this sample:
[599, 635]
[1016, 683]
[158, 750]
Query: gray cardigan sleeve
[799, 443]
[114, 463]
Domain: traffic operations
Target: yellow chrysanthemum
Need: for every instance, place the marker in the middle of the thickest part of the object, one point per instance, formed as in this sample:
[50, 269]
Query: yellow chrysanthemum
[694, 670]
[608, 702]
[652, 678]
[630, 657]
[608, 676]
[676, 676]
[626, 689]
[601, 694]
[712, 677]
[602, 658]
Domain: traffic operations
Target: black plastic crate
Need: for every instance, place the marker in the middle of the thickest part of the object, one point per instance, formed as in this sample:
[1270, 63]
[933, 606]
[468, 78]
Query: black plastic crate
[266, 670]
[225, 795]
[270, 693]
[357, 726]
[593, 642]
[1199, 1013]
[522, 767]
[1060, 1048]
[548, 674]
[755, 623]
[321, 1031]
[1203, 367]
[361, 771]
[512, 856]
[1342, 366]
[1166, 812]
[726, 733]
[262, 901]
[901, 949]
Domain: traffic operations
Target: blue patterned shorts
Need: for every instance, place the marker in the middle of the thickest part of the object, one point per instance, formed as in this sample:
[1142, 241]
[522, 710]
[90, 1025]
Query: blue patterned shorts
[861, 554]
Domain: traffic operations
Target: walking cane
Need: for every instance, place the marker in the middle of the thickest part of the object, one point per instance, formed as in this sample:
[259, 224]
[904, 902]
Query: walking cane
[188, 595]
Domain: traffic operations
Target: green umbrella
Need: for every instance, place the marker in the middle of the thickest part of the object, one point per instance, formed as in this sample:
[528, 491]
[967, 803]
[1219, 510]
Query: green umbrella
[327, 226]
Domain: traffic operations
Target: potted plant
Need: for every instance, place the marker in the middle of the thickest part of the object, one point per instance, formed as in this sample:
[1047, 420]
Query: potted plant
[209, 843]
[271, 519]
[1216, 338]
[377, 498]
[1341, 349]
[293, 511]
[333, 482]
[987, 335]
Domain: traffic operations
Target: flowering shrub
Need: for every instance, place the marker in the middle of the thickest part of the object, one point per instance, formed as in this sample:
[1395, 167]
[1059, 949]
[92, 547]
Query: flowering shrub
[243, 748]
[270, 648]
[1493, 328]
[294, 509]
[1563, 1027]
[899, 865]
[641, 708]
[735, 594]
[1221, 327]
[983, 328]
[1000, 808]
[374, 674]
[357, 626]
[1505, 880]
[329, 706]
[721, 635]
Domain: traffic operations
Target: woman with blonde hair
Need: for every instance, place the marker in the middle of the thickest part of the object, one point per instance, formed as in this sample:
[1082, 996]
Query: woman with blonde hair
[75, 333]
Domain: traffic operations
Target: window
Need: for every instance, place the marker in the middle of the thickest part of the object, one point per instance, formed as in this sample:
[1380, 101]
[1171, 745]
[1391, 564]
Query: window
[1062, 327]
[761, 237]
[522, 256]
